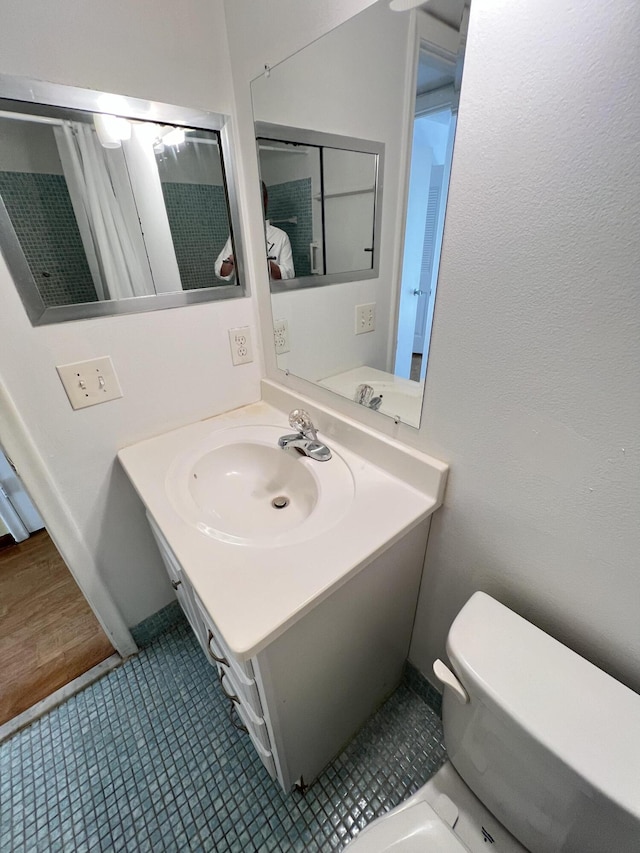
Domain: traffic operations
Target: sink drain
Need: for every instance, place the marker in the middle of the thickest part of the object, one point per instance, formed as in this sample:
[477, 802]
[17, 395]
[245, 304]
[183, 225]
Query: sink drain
[280, 502]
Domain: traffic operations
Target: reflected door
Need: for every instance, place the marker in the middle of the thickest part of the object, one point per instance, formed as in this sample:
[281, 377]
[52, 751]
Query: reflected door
[431, 155]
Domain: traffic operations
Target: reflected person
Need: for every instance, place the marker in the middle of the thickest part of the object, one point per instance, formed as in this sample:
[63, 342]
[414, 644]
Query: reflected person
[279, 252]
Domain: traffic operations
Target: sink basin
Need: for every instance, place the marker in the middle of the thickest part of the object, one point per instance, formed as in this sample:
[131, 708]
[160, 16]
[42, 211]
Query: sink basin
[238, 486]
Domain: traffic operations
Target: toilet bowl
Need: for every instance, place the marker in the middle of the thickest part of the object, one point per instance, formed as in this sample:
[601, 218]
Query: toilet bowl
[530, 768]
[412, 830]
[455, 820]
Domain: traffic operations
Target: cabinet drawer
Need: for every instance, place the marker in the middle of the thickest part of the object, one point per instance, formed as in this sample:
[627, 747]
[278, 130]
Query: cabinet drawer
[265, 754]
[244, 688]
[252, 720]
[242, 669]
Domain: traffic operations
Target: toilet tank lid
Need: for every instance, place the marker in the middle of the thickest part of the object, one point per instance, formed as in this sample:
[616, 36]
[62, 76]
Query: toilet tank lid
[575, 710]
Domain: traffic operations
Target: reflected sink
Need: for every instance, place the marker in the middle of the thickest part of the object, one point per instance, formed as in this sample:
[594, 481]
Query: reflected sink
[238, 486]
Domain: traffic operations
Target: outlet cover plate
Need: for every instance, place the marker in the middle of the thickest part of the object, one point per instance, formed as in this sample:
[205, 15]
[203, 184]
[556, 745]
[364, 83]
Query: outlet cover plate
[281, 336]
[240, 342]
[90, 382]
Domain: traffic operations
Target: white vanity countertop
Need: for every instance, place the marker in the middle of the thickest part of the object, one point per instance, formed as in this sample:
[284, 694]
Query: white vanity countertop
[255, 592]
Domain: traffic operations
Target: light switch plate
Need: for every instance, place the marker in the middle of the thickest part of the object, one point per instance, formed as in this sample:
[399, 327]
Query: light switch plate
[89, 382]
[365, 318]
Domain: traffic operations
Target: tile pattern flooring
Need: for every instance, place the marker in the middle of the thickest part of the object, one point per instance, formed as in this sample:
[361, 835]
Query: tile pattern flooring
[146, 760]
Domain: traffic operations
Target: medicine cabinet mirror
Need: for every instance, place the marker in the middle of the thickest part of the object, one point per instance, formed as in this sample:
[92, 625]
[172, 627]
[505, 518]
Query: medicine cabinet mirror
[367, 337]
[112, 205]
[324, 191]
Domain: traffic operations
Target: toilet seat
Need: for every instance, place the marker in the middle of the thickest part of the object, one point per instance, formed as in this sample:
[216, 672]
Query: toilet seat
[414, 829]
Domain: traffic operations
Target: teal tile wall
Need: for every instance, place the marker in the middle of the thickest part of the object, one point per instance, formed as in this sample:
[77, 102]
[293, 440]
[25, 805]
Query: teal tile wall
[199, 225]
[293, 198]
[40, 209]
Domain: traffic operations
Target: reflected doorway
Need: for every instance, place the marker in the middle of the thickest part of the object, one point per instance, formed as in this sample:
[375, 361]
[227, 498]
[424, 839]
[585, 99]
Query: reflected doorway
[431, 154]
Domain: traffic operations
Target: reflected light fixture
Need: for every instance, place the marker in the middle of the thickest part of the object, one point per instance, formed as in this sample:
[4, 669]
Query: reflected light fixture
[111, 129]
[174, 137]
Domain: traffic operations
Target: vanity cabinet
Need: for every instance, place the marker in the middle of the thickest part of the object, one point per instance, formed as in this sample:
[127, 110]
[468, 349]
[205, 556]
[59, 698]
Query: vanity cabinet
[304, 696]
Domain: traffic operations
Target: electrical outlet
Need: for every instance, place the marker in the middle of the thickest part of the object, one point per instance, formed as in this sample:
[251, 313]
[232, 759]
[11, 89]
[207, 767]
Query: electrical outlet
[281, 336]
[365, 318]
[89, 382]
[240, 340]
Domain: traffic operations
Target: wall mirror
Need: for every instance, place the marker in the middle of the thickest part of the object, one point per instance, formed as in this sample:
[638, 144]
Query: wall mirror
[112, 205]
[368, 339]
[323, 190]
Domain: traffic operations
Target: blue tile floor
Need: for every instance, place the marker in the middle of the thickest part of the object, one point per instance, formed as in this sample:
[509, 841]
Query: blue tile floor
[146, 759]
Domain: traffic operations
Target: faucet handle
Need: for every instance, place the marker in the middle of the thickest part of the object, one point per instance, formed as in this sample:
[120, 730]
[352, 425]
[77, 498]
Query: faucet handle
[300, 420]
[364, 394]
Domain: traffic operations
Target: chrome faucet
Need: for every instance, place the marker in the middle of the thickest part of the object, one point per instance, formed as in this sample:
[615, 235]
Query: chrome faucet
[305, 440]
[364, 396]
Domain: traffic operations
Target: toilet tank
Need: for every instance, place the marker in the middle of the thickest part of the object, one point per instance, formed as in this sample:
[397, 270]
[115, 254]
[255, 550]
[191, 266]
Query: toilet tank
[549, 742]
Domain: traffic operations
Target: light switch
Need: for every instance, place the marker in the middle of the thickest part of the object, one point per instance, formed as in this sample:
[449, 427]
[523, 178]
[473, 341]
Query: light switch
[89, 382]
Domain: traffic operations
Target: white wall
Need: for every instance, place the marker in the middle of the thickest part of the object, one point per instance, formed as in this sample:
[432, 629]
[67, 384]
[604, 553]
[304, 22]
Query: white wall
[174, 365]
[278, 167]
[533, 391]
[28, 147]
[322, 335]
[266, 33]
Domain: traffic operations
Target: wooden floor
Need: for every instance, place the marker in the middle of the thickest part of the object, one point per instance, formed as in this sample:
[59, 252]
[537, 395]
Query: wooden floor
[48, 633]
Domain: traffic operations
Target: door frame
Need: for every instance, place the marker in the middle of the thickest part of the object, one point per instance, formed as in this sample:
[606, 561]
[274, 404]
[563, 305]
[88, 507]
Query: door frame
[30, 468]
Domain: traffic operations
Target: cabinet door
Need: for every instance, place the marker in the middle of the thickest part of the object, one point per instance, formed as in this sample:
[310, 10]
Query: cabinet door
[182, 587]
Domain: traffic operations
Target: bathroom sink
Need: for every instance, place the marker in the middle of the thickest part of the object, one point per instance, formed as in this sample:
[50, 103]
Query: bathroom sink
[238, 486]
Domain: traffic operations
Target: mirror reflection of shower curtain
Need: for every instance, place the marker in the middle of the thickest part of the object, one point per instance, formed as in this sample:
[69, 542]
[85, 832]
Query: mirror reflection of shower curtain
[105, 210]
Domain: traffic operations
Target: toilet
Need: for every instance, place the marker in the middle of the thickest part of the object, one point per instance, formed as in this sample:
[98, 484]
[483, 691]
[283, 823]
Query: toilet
[543, 750]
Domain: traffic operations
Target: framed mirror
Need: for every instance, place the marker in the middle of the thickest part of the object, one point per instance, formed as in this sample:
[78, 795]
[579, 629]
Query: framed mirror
[324, 192]
[367, 339]
[112, 205]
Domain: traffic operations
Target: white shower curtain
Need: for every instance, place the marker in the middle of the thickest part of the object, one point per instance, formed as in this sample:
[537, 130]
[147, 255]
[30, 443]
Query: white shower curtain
[119, 268]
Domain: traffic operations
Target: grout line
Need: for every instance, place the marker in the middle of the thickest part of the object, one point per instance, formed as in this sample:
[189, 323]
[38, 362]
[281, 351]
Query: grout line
[13, 726]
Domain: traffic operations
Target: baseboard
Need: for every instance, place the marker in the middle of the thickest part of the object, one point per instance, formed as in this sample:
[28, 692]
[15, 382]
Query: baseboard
[417, 682]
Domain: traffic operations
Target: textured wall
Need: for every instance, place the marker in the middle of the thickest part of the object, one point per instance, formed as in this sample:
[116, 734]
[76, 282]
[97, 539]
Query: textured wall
[533, 390]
